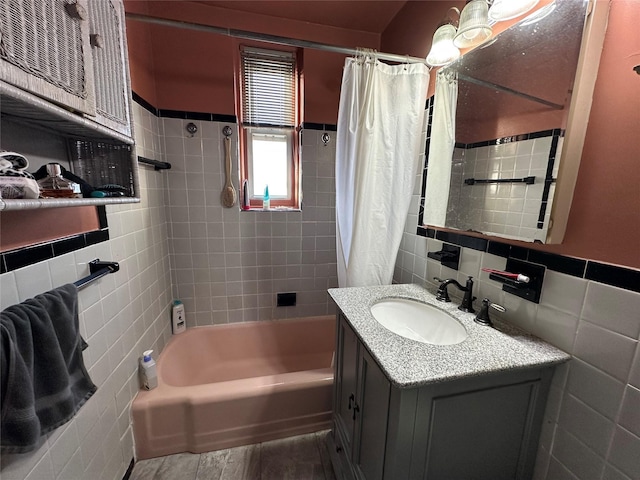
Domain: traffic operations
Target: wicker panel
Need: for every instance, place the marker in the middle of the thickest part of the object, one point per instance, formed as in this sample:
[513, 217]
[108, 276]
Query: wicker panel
[102, 163]
[42, 39]
[107, 61]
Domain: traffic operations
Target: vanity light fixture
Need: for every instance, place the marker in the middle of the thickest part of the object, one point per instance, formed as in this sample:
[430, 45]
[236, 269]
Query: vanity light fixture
[443, 51]
[501, 10]
[474, 25]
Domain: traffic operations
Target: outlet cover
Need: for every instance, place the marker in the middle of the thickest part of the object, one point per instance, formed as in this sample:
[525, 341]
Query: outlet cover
[286, 299]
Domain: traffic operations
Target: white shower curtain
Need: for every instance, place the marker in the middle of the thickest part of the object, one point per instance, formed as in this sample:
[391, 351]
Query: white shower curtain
[380, 122]
[443, 139]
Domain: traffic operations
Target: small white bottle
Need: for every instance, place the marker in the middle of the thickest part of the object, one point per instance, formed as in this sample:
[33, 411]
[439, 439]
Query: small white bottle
[266, 199]
[178, 320]
[148, 374]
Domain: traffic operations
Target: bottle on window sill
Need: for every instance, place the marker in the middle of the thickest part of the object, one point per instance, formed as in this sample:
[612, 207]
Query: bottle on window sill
[266, 201]
[54, 185]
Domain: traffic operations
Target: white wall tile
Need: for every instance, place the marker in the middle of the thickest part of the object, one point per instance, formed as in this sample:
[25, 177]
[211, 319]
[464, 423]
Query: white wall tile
[606, 350]
[33, 280]
[625, 452]
[595, 388]
[557, 328]
[612, 473]
[613, 308]
[563, 292]
[8, 290]
[576, 456]
[634, 377]
[630, 411]
[587, 425]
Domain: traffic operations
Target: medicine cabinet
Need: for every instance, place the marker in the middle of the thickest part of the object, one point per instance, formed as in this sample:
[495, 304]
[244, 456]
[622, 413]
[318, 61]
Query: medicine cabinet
[523, 105]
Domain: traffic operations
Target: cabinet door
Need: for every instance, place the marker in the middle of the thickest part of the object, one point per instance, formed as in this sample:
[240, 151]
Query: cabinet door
[109, 53]
[371, 419]
[45, 50]
[347, 370]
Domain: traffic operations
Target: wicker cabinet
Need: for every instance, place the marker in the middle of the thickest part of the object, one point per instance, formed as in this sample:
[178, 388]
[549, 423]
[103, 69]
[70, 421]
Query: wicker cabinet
[70, 52]
[64, 68]
[44, 50]
[110, 64]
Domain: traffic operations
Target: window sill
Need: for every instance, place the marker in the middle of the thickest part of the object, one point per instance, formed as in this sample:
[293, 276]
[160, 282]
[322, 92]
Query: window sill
[274, 209]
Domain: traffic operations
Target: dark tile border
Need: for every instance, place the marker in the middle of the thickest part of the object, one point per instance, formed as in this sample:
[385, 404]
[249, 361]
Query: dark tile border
[320, 126]
[23, 257]
[129, 471]
[613, 275]
[512, 138]
[616, 276]
[209, 117]
[214, 117]
[185, 115]
[143, 103]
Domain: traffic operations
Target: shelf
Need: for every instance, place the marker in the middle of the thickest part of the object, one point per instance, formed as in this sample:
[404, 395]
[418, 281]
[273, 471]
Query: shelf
[31, 204]
[20, 106]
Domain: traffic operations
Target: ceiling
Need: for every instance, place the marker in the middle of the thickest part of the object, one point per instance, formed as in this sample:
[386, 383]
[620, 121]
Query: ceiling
[364, 15]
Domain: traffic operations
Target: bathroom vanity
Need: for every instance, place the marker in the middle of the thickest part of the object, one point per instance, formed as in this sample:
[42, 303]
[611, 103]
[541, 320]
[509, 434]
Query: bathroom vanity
[404, 409]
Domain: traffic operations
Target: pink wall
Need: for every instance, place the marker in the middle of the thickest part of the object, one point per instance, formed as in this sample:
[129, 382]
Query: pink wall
[141, 54]
[194, 71]
[39, 226]
[604, 222]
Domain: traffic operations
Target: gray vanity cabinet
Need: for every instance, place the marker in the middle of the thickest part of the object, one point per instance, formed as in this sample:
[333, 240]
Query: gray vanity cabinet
[484, 427]
[361, 405]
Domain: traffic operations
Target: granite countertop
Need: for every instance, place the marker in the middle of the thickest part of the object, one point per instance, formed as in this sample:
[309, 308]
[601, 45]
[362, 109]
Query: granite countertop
[408, 363]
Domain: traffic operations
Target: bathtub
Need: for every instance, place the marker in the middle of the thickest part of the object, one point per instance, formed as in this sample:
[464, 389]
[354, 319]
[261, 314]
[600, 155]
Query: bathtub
[228, 385]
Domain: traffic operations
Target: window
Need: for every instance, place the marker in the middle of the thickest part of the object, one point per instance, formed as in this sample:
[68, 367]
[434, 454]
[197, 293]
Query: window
[269, 117]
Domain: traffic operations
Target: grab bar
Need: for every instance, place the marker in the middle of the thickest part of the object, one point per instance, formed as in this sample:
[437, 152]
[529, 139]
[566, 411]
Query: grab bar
[97, 270]
[473, 181]
[157, 165]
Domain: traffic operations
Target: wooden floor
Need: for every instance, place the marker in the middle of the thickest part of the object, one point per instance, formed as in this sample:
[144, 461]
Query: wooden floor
[304, 457]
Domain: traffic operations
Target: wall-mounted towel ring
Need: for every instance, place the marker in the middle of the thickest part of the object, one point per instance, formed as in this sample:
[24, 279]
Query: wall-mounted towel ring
[325, 138]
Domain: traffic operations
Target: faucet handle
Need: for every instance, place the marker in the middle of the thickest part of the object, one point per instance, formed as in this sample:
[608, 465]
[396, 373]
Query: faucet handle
[442, 294]
[483, 316]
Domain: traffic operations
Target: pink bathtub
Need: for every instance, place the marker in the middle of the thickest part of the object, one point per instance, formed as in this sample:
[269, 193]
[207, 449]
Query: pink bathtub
[237, 384]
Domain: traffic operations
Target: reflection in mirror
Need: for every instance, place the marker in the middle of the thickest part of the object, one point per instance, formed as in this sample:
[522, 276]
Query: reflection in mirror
[513, 101]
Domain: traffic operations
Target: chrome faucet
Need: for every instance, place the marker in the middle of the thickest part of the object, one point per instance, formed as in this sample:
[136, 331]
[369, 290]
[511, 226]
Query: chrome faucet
[467, 302]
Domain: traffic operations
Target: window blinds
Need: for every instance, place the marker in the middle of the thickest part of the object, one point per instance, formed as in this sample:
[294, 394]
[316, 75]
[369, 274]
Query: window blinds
[269, 88]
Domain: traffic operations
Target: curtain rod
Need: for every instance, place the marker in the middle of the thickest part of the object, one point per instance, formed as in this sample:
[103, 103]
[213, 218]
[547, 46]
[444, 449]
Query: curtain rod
[263, 37]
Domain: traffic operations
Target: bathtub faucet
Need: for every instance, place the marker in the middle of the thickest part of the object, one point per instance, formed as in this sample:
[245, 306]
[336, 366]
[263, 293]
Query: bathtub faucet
[443, 295]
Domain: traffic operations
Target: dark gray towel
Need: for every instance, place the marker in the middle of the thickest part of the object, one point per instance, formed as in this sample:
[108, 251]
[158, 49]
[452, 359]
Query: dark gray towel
[44, 381]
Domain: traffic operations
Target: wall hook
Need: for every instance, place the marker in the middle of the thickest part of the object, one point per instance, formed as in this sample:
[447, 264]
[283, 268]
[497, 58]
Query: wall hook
[192, 128]
[226, 131]
[325, 138]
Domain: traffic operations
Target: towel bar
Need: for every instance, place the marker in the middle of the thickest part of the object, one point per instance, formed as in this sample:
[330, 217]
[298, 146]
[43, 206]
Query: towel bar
[98, 269]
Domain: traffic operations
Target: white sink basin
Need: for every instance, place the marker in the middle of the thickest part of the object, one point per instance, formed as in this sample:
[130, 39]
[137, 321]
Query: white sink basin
[418, 321]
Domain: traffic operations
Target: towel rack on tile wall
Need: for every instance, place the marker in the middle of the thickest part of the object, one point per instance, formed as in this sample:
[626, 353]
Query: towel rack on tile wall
[155, 163]
[97, 269]
[527, 180]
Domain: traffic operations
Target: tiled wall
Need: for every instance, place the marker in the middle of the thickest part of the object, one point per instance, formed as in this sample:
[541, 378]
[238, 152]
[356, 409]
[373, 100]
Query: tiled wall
[227, 265]
[592, 423]
[121, 315]
[507, 209]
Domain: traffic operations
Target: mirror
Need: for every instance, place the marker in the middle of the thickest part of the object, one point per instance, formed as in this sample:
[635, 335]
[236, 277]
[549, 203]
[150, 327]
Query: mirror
[514, 94]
